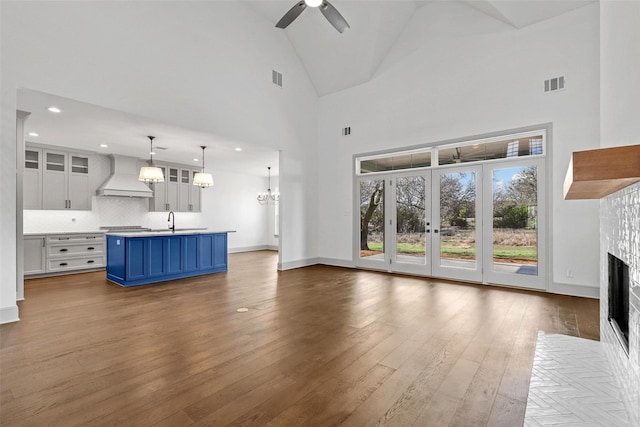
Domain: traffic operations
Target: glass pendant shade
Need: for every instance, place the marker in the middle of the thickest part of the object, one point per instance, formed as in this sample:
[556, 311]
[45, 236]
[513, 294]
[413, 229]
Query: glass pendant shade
[151, 173]
[203, 179]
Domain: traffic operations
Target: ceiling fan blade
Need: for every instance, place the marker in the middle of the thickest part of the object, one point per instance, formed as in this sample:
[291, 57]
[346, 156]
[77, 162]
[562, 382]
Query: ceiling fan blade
[291, 15]
[334, 17]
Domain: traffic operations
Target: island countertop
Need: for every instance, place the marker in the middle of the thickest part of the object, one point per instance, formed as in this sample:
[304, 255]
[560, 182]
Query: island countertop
[177, 232]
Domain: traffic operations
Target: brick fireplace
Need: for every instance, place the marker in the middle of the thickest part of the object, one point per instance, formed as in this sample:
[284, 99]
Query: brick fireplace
[620, 238]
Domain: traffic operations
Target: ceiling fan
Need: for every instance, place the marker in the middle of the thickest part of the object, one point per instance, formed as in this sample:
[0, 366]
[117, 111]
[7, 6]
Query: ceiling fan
[327, 9]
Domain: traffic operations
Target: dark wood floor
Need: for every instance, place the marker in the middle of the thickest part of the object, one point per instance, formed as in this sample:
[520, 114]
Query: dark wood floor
[318, 346]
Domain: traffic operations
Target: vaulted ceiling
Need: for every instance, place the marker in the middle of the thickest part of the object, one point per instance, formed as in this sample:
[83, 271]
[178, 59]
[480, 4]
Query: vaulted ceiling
[337, 61]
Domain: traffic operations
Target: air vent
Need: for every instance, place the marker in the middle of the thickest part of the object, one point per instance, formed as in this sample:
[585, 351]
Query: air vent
[346, 131]
[556, 83]
[276, 77]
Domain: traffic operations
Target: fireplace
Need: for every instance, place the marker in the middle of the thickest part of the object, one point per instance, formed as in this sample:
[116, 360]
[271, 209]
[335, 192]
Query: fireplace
[619, 300]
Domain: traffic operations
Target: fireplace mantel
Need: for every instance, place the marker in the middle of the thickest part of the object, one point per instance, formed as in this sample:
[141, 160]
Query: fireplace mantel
[594, 174]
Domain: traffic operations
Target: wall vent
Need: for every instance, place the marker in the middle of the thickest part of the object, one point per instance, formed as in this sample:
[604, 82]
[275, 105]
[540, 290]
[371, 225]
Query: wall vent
[346, 131]
[276, 77]
[556, 83]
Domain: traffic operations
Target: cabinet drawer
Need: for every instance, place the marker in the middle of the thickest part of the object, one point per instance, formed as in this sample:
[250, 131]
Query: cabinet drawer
[58, 250]
[74, 263]
[75, 238]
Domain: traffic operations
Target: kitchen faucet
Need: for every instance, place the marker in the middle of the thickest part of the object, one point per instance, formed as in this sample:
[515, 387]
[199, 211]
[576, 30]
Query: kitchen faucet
[172, 219]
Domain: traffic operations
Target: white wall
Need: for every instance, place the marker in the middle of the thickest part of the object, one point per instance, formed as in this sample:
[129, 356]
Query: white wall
[619, 212]
[199, 65]
[473, 76]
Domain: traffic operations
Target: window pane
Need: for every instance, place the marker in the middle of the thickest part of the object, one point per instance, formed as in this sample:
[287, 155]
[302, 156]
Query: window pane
[520, 147]
[457, 220]
[396, 161]
[515, 217]
[372, 219]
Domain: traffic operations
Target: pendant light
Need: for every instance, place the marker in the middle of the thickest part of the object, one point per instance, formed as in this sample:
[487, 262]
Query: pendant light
[268, 196]
[202, 179]
[151, 173]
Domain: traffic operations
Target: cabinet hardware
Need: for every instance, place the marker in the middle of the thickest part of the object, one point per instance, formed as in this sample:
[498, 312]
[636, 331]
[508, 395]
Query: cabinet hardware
[90, 237]
[90, 248]
[64, 250]
[69, 204]
[435, 231]
[90, 261]
[62, 264]
[43, 240]
[63, 238]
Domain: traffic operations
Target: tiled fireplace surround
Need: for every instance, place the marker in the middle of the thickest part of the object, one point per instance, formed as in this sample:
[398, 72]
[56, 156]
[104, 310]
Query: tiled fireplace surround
[620, 236]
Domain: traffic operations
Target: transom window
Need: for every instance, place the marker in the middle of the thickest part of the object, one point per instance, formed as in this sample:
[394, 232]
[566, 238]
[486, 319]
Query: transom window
[506, 146]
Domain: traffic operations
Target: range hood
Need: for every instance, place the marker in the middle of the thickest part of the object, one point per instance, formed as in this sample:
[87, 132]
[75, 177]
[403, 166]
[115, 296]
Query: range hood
[123, 181]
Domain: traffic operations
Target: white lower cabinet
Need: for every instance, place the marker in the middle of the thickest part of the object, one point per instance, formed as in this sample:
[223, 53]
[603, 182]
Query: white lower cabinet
[34, 255]
[64, 253]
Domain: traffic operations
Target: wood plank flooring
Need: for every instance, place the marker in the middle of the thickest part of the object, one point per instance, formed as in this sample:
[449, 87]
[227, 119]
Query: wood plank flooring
[318, 346]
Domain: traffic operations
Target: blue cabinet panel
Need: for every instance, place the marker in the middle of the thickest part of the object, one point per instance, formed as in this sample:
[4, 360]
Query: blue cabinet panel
[156, 257]
[206, 251]
[190, 253]
[220, 251]
[136, 256]
[135, 261]
[115, 257]
[174, 260]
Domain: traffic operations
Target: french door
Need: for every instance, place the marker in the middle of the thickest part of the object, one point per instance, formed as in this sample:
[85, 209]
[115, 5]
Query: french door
[477, 223]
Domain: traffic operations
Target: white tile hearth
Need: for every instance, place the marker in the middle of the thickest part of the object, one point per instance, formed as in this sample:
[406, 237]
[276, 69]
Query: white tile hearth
[572, 384]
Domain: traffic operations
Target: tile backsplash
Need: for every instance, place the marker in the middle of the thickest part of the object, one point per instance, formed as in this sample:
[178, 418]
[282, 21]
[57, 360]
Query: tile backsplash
[620, 236]
[106, 211]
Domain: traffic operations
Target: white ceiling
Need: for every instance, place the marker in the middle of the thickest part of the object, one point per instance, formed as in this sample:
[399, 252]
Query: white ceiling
[84, 126]
[337, 61]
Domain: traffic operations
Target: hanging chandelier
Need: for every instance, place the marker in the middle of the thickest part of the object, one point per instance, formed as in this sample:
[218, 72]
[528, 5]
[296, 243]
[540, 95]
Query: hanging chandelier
[151, 173]
[268, 196]
[202, 179]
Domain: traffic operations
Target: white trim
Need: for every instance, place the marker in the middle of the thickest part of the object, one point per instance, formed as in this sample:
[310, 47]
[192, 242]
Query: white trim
[335, 262]
[253, 248]
[9, 314]
[574, 290]
[297, 264]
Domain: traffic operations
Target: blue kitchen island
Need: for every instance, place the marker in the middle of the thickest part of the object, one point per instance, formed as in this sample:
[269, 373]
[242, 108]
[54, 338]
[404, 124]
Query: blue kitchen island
[149, 257]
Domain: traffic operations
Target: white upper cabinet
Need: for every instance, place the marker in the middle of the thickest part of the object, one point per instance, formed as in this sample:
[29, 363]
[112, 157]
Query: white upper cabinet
[32, 179]
[177, 193]
[56, 179]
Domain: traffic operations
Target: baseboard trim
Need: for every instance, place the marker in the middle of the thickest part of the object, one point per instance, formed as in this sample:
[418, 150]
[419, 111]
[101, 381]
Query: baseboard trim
[253, 248]
[574, 290]
[335, 262]
[9, 314]
[297, 264]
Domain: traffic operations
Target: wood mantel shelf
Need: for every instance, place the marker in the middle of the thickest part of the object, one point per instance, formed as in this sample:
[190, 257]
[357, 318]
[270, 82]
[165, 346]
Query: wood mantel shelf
[594, 174]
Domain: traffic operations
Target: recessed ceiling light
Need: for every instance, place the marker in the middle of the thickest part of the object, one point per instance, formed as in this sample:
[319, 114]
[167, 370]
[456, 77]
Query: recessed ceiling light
[195, 160]
[33, 134]
[103, 145]
[238, 149]
[153, 153]
[54, 110]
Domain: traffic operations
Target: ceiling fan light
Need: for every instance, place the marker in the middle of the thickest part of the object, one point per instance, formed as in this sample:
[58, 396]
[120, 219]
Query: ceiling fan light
[313, 3]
